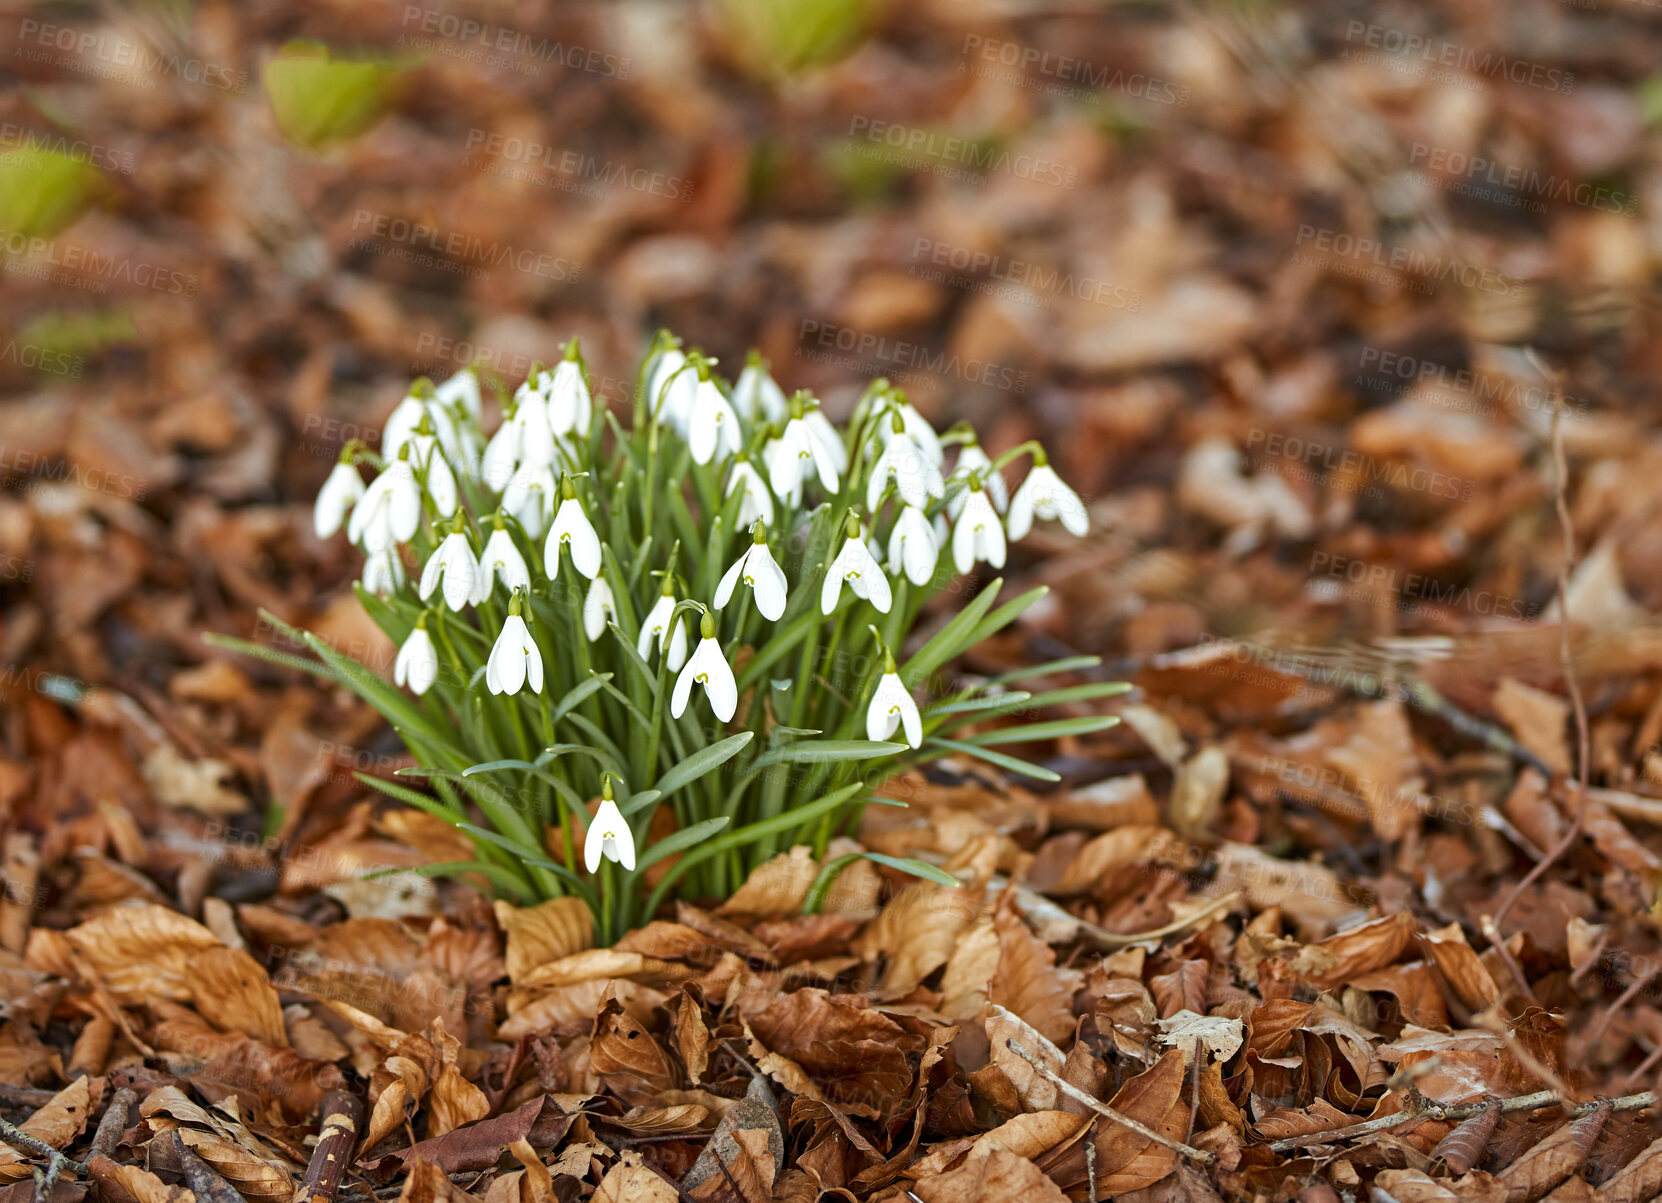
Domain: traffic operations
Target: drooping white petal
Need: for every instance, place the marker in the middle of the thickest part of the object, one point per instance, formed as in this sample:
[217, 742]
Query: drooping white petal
[383, 571]
[767, 583]
[671, 387]
[912, 546]
[461, 389]
[343, 489]
[709, 668]
[978, 535]
[441, 482]
[608, 836]
[758, 499]
[570, 408]
[401, 426]
[892, 706]
[826, 439]
[501, 561]
[530, 498]
[501, 458]
[973, 459]
[756, 391]
[915, 478]
[915, 427]
[855, 565]
[713, 427]
[536, 436]
[514, 660]
[390, 510]
[599, 608]
[417, 665]
[1045, 495]
[572, 530]
[452, 562]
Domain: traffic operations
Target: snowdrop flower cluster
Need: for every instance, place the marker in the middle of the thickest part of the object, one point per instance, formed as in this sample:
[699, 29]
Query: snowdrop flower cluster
[584, 607]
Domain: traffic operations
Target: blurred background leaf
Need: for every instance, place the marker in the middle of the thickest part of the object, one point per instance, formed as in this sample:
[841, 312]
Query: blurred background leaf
[43, 192]
[779, 38]
[318, 99]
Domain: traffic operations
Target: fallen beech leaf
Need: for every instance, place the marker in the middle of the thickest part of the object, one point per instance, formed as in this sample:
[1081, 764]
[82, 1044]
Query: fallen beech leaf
[1036, 1092]
[1098, 860]
[1125, 1160]
[1198, 790]
[454, 1101]
[1639, 1179]
[998, 1177]
[1538, 720]
[1027, 982]
[1185, 1029]
[692, 1038]
[1371, 945]
[1158, 731]
[917, 931]
[1460, 965]
[197, 785]
[233, 993]
[1554, 1159]
[631, 1063]
[631, 1182]
[1375, 761]
[969, 971]
[1464, 1147]
[57, 1122]
[1027, 1136]
[776, 887]
[134, 1184]
[428, 1183]
[478, 1146]
[143, 950]
[855, 1053]
[540, 934]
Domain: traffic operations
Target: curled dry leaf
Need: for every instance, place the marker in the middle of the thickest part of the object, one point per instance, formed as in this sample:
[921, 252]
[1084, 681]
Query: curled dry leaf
[631, 1182]
[777, 887]
[233, 993]
[917, 932]
[1198, 790]
[1554, 1159]
[1036, 1092]
[57, 1123]
[547, 932]
[134, 1184]
[997, 1177]
[1184, 1030]
[427, 1183]
[747, 1149]
[142, 951]
[1027, 981]
[1464, 1147]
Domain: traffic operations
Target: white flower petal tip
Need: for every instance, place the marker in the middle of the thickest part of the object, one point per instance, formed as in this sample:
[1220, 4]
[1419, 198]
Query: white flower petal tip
[572, 530]
[417, 665]
[570, 408]
[453, 563]
[599, 608]
[892, 706]
[913, 547]
[756, 568]
[707, 667]
[856, 567]
[1045, 495]
[712, 427]
[609, 837]
[501, 561]
[978, 534]
[652, 633]
[340, 492]
[757, 505]
[514, 660]
[970, 460]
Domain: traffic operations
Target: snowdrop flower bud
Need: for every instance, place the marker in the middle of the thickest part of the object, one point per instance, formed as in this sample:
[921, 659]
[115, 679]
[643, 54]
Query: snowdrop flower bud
[977, 535]
[383, 571]
[757, 569]
[343, 490]
[514, 659]
[402, 423]
[1044, 494]
[609, 835]
[501, 458]
[570, 408]
[915, 427]
[913, 547]
[916, 479]
[713, 427]
[855, 565]
[417, 665]
[389, 511]
[462, 390]
[708, 667]
[536, 436]
[453, 562]
[892, 706]
[501, 561]
[573, 531]
[657, 622]
[755, 392]
[972, 459]
[530, 498]
[757, 505]
[441, 481]
[599, 608]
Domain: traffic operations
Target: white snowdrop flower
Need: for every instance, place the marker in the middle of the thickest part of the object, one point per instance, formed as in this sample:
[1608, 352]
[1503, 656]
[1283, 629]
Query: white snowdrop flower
[426, 455]
[972, 459]
[1044, 494]
[794, 456]
[707, 667]
[340, 492]
[654, 626]
[892, 706]
[756, 567]
[417, 665]
[570, 408]
[913, 546]
[572, 530]
[599, 608]
[915, 427]
[501, 561]
[462, 390]
[536, 436]
[501, 458]
[389, 511]
[977, 535]
[453, 563]
[514, 660]
[758, 500]
[856, 566]
[712, 427]
[401, 425]
[383, 571]
[671, 386]
[529, 497]
[915, 478]
[756, 393]
[825, 437]
[609, 835]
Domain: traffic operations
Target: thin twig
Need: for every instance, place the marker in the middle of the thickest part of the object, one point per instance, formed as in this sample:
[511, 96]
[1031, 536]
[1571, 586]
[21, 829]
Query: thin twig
[1436, 1111]
[1560, 485]
[1107, 1112]
[1090, 1161]
[20, 1140]
[113, 1124]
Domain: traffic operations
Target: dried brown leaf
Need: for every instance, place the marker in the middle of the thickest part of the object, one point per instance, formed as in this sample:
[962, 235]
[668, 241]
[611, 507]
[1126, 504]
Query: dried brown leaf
[548, 932]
